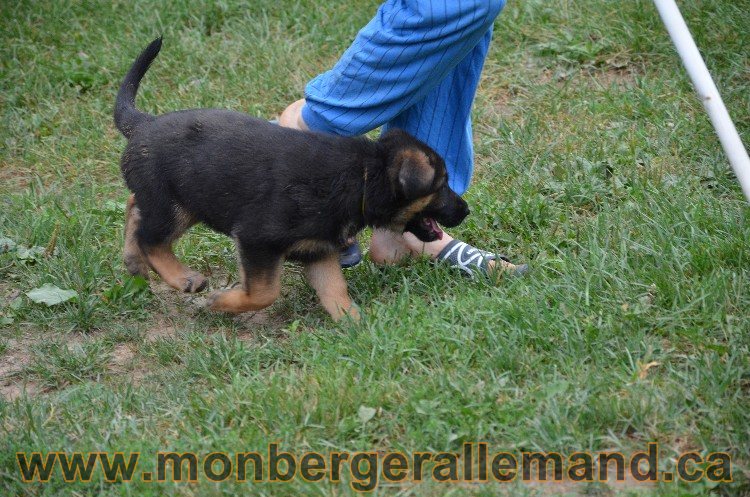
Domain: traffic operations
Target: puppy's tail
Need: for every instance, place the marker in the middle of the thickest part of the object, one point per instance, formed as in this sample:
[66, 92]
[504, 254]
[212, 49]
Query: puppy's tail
[127, 117]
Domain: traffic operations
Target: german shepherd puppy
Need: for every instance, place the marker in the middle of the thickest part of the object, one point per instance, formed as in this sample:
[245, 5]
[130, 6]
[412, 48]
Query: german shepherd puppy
[279, 193]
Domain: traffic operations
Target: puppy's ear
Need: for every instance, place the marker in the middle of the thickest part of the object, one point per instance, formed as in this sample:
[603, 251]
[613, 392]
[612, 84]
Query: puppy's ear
[415, 173]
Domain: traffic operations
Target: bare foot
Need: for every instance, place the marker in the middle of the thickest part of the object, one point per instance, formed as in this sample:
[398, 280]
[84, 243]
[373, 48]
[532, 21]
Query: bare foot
[292, 116]
[387, 247]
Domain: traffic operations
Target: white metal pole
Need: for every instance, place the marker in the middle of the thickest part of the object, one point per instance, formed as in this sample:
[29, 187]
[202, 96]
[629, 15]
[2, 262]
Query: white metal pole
[707, 91]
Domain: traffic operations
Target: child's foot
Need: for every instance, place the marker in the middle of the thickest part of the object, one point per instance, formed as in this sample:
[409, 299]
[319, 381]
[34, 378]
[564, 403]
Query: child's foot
[473, 261]
[292, 116]
[388, 248]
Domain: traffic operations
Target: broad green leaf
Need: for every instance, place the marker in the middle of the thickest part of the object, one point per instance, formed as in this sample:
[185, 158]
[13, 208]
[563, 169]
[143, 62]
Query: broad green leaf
[50, 295]
[6, 245]
[30, 254]
[366, 413]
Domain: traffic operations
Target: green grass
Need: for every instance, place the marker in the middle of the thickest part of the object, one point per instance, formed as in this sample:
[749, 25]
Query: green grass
[595, 164]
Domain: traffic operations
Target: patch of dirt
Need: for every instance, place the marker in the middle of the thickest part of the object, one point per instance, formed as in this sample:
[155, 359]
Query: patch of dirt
[14, 176]
[123, 363]
[500, 102]
[122, 357]
[181, 306]
[12, 364]
[14, 390]
[161, 329]
[259, 318]
[605, 77]
[8, 294]
[614, 76]
[15, 358]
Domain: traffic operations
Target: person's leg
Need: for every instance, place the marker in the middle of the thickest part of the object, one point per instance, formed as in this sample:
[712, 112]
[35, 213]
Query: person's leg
[396, 60]
[442, 119]
[416, 66]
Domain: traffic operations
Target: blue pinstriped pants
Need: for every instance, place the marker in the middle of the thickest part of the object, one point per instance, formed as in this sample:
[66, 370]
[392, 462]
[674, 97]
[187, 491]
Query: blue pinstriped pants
[414, 66]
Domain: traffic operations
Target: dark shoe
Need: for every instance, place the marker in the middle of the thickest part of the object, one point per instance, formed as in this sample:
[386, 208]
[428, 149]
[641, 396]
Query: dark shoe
[351, 255]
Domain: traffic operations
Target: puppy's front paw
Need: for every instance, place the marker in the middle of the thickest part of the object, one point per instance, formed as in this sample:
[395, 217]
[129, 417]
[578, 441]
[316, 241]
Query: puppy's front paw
[193, 283]
[352, 312]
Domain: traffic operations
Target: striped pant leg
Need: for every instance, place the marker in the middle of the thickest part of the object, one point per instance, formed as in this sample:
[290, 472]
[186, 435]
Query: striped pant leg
[442, 119]
[415, 65]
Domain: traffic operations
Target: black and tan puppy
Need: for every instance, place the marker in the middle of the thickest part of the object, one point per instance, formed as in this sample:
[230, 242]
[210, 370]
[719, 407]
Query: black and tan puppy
[279, 193]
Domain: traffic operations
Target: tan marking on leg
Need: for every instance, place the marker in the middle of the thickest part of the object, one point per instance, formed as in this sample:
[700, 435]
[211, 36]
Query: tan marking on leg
[163, 261]
[161, 258]
[311, 247]
[183, 221]
[326, 277]
[132, 255]
[257, 292]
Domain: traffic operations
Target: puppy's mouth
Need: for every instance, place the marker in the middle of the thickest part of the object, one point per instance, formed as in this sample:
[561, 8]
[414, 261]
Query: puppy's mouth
[425, 228]
[431, 227]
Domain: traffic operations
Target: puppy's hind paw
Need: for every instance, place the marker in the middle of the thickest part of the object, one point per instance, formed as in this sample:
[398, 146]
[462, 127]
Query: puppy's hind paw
[223, 301]
[135, 265]
[237, 300]
[213, 301]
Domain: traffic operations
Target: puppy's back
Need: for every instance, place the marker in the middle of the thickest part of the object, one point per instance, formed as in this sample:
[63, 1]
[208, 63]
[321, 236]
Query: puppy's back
[226, 166]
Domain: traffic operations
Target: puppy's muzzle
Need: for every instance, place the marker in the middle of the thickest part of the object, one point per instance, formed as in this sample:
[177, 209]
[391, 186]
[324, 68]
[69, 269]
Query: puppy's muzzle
[453, 213]
[448, 209]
